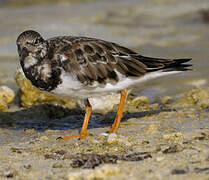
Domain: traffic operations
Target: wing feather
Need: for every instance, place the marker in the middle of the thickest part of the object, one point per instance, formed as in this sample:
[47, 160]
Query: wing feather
[98, 60]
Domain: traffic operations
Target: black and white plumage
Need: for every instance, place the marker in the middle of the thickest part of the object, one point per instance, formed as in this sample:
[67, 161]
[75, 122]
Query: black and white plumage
[87, 69]
[83, 68]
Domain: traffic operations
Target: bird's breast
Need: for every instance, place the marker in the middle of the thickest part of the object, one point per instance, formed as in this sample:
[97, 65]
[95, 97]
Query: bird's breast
[30, 61]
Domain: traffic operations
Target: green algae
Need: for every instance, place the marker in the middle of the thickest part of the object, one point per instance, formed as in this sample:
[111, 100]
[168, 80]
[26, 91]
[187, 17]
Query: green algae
[196, 97]
[6, 97]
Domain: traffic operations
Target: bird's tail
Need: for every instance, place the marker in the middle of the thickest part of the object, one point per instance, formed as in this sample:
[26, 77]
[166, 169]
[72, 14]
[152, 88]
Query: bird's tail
[165, 65]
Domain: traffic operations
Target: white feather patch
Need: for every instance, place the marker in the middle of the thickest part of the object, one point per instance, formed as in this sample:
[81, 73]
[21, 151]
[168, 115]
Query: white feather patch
[71, 87]
[29, 61]
[46, 70]
[63, 58]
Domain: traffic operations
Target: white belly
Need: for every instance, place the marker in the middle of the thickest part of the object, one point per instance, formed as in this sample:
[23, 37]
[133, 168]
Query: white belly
[71, 87]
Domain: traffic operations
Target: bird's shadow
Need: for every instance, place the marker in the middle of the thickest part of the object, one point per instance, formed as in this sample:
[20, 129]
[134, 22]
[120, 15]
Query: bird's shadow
[45, 116]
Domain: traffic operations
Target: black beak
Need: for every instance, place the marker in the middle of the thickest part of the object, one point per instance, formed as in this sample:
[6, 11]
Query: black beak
[19, 50]
[23, 53]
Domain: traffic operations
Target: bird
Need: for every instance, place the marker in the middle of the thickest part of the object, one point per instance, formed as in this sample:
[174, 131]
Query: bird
[87, 69]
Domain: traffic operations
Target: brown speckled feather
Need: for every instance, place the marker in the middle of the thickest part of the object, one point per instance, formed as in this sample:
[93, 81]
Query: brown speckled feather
[98, 60]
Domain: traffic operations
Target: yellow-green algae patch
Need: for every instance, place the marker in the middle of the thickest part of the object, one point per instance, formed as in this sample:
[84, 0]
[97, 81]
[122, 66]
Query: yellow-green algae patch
[140, 103]
[30, 95]
[6, 97]
[196, 97]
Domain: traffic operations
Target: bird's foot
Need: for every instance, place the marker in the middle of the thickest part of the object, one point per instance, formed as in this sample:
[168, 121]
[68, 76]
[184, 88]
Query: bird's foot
[80, 136]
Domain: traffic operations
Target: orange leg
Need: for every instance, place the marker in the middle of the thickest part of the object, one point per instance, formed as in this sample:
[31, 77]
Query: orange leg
[119, 114]
[83, 132]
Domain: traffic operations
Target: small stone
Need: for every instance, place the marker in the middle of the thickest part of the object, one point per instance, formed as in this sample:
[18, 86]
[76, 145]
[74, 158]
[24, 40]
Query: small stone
[196, 97]
[29, 131]
[153, 128]
[144, 142]
[199, 170]
[158, 148]
[17, 150]
[158, 159]
[166, 100]
[104, 134]
[50, 131]
[8, 173]
[112, 138]
[178, 171]
[57, 165]
[27, 166]
[6, 97]
[61, 152]
[173, 137]
[104, 172]
[115, 139]
[44, 138]
[141, 100]
[172, 149]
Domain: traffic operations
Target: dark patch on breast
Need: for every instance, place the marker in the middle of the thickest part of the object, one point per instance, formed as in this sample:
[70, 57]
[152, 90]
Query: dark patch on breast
[46, 84]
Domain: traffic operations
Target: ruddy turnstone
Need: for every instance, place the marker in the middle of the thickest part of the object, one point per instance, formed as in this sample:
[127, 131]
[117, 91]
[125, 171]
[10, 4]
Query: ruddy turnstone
[87, 68]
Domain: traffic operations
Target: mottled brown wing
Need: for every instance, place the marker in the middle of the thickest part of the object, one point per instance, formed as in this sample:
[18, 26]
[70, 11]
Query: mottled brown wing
[97, 60]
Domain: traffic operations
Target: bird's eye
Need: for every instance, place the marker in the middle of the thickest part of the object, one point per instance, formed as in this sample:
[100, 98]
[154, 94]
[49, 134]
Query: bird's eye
[37, 41]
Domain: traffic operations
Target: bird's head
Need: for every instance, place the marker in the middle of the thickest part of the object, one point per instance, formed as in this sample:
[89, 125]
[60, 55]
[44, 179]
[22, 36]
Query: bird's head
[30, 43]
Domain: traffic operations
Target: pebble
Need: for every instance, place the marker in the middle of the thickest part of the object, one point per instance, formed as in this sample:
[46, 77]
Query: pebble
[141, 100]
[29, 131]
[172, 149]
[173, 137]
[152, 128]
[27, 166]
[166, 100]
[44, 138]
[115, 139]
[178, 171]
[57, 165]
[112, 138]
[160, 158]
[104, 172]
[6, 97]
[8, 173]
